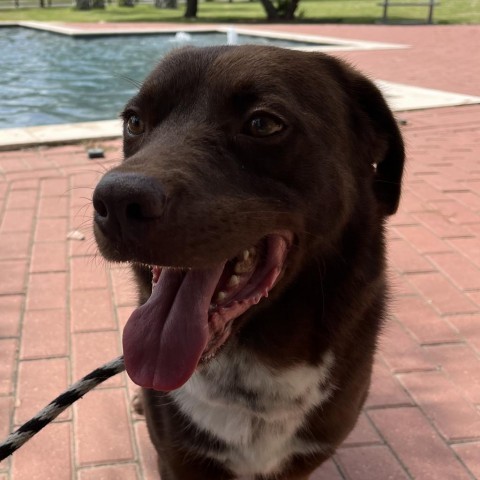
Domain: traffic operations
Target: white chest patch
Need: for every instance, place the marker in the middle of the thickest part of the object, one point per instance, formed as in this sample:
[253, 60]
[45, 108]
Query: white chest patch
[254, 409]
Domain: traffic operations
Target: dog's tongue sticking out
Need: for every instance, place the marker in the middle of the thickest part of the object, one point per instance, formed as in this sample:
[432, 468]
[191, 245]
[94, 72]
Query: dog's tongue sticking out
[164, 339]
[189, 312]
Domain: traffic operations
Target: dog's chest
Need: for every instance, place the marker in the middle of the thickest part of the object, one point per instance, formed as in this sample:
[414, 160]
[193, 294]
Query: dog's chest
[254, 410]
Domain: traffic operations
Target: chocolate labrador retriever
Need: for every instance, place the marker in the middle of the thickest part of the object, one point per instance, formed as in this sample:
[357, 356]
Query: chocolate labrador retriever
[251, 205]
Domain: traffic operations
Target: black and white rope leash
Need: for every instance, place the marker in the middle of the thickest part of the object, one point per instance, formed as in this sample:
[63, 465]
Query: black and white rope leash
[16, 439]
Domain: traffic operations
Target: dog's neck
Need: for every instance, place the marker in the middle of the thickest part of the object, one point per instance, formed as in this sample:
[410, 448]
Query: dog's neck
[252, 409]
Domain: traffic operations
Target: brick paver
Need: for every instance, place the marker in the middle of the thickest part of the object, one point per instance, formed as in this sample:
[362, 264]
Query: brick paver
[62, 307]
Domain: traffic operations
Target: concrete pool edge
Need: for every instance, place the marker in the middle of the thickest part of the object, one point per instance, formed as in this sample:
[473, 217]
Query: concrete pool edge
[102, 29]
[25, 137]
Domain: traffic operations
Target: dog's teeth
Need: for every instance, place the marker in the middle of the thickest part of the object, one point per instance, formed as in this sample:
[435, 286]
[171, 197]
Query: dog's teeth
[243, 266]
[245, 261]
[221, 296]
[233, 281]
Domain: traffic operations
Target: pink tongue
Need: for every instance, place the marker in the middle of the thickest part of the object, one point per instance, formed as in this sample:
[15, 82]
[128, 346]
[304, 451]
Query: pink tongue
[164, 339]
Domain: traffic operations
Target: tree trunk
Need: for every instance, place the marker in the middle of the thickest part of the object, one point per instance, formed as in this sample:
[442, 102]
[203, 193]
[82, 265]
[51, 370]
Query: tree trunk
[126, 3]
[191, 10]
[271, 11]
[42, 3]
[98, 3]
[290, 10]
[285, 9]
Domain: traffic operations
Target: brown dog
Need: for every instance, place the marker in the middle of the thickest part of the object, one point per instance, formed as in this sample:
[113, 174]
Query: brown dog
[252, 172]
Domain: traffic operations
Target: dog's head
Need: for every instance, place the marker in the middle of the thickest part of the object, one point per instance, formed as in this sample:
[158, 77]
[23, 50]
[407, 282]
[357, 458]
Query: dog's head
[240, 164]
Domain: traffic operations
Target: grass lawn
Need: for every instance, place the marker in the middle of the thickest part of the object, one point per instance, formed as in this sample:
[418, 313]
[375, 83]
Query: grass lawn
[340, 11]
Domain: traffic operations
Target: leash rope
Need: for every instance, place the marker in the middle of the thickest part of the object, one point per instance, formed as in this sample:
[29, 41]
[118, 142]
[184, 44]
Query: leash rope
[16, 439]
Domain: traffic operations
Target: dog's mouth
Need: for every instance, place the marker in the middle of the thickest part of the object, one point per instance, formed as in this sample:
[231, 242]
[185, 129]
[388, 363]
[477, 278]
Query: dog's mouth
[190, 312]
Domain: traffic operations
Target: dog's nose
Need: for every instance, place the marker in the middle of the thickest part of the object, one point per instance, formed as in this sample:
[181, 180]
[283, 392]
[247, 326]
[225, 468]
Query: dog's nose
[125, 201]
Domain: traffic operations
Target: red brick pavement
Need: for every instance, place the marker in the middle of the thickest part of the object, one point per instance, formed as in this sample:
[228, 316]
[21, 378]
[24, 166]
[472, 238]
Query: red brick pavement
[61, 306]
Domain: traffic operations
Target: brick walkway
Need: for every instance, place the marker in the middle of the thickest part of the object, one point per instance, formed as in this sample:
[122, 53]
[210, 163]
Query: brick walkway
[61, 307]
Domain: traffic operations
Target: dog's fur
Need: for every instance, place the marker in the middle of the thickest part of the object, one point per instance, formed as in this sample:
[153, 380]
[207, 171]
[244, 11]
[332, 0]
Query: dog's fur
[288, 384]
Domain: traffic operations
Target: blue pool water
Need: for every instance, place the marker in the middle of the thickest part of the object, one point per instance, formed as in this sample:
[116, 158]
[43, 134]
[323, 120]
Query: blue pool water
[47, 78]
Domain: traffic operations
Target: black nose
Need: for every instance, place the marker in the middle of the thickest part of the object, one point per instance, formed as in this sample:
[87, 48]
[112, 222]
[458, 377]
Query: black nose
[123, 202]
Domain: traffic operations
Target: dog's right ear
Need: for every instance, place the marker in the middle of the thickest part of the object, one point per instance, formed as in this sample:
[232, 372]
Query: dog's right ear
[382, 137]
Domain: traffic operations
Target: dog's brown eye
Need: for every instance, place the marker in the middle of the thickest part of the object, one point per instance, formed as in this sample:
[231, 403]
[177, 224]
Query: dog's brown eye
[135, 126]
[264, 126]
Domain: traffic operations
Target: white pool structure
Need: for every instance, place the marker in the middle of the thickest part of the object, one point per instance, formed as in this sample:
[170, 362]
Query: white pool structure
[399, 96]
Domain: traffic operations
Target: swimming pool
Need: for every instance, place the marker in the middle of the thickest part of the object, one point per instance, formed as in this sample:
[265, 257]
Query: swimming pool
[50, 79]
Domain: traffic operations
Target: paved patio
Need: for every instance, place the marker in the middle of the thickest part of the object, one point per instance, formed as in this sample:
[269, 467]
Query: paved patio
[62, 308]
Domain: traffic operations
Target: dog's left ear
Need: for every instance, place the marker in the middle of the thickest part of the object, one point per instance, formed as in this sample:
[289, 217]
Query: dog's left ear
[382, 136]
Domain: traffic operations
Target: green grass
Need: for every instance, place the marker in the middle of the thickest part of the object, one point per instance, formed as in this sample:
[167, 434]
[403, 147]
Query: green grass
[367, 11]
[339, 11]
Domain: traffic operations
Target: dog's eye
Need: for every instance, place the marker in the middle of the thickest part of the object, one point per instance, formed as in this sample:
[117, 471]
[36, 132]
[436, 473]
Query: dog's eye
[264, 126]
[135, 125]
